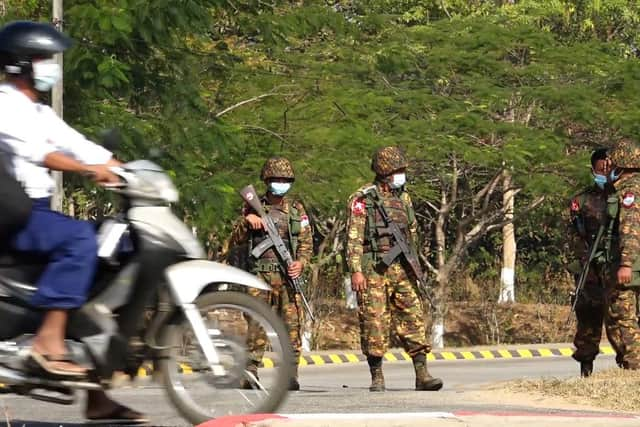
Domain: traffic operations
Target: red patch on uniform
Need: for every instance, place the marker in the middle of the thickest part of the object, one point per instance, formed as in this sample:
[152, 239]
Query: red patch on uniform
[358, 207]
[628, 200]
[575, 205]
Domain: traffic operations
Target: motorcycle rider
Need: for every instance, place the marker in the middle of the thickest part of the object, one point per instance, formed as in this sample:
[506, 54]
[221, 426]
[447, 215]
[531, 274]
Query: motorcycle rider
[34, 140]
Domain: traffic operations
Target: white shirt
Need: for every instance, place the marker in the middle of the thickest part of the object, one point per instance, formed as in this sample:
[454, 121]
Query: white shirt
[29, 131]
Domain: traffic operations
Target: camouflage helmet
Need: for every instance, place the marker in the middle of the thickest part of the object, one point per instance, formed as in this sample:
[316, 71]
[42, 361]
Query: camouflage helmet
[277, 167]
[387, 160]
[625, 154]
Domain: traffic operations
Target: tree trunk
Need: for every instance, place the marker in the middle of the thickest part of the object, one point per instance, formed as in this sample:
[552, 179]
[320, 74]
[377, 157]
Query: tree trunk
[439, 307]
[439, 301]
[507, 276]
[327, 250]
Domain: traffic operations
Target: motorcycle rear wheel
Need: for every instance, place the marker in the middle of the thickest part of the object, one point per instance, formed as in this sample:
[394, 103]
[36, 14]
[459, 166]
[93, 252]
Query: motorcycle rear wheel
[195, 391]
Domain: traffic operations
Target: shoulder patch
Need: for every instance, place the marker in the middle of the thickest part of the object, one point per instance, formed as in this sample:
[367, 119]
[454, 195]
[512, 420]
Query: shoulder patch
[358, 206]
[575, 205]
[628, 199]
[304, 221]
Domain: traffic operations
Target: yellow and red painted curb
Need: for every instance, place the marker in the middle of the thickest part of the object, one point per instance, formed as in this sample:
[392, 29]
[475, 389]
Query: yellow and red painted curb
[350, 357]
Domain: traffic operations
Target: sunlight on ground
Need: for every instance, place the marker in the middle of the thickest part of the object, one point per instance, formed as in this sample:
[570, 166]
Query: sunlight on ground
[612, 389]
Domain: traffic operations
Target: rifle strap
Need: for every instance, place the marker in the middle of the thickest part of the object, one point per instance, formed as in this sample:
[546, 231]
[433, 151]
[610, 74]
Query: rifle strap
[372, 230]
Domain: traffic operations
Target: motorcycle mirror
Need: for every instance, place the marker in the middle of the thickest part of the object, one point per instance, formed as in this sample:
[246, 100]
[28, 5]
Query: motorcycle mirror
[111, 139]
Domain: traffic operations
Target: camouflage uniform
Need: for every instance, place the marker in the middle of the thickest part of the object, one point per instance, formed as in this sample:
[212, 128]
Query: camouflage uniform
[390, 297]
[390, 291]
[621, 299]
[293, 226]
[589, 212]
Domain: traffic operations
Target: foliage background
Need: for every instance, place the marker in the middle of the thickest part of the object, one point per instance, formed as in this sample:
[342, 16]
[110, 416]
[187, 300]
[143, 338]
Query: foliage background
[210, 88]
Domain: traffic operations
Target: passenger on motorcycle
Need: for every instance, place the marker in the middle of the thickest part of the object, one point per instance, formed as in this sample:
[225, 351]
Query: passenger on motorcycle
[34, 140]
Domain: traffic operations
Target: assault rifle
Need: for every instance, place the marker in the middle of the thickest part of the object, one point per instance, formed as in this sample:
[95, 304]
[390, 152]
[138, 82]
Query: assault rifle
[401, 247]
[274, 240]
[585, 268]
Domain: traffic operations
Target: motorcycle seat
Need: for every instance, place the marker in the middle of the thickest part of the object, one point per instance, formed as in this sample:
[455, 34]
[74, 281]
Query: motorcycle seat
[21, 268]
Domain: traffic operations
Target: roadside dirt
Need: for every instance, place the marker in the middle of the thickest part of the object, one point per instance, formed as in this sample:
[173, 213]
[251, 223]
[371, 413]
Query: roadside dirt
[614, 389]
[503, 393]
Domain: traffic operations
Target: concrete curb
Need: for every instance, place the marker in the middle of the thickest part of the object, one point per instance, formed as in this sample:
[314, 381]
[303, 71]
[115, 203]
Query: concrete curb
[339, 358]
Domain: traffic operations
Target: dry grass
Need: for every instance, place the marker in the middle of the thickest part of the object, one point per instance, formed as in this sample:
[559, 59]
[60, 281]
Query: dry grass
[611, 389]
[467, 324]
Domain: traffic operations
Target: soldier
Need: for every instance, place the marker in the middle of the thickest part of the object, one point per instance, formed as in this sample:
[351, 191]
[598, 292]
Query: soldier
[624, 278]
[293, 225]
[386, 294]
[588, 213]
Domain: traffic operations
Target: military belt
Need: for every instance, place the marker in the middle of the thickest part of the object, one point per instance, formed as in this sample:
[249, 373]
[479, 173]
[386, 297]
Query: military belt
[378, 255]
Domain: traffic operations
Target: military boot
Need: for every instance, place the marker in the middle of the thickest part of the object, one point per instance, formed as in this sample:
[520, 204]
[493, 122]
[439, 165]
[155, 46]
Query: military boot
[377, 379]
[245, 383]
[294, 385]
[424, 380]
[586, 368]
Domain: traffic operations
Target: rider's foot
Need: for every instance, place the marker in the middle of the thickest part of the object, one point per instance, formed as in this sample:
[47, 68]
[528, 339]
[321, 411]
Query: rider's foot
[48, 350]
[55, 364]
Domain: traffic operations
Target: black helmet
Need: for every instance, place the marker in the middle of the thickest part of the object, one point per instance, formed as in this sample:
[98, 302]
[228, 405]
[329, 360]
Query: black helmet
[21, 41]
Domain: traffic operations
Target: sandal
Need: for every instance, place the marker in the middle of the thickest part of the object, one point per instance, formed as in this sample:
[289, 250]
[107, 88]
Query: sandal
[46, 363]
[120, 415]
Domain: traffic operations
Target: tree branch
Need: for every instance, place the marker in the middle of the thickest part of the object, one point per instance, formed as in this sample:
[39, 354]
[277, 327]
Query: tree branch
[265, 130]
[429, 266]
[248, 101]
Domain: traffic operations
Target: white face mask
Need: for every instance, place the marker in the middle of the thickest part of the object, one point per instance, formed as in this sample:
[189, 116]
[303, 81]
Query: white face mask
[398, 180]
[46, 74]
[279, 188]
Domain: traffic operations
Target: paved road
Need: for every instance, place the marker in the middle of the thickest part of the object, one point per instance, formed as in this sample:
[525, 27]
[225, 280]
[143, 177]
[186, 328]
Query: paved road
[344, 389]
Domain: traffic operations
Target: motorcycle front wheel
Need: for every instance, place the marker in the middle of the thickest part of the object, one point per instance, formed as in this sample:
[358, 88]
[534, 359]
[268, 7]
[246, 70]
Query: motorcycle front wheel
[240, 327]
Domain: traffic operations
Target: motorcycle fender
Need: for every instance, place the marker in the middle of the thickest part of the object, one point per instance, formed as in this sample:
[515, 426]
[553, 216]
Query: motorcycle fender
[187, 279]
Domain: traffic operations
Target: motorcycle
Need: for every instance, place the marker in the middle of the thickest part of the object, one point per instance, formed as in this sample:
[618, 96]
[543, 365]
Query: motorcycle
[158, 302]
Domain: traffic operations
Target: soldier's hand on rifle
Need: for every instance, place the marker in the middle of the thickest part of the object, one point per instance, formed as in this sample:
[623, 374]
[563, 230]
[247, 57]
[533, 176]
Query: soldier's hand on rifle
[624, 275]
[295, 269]
[254, 221]
[358, 282]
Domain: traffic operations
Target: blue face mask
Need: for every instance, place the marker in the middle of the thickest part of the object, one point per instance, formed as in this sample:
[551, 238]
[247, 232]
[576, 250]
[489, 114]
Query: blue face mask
[398, 180]
[279, 188]
[613, 176]
[600, 180]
